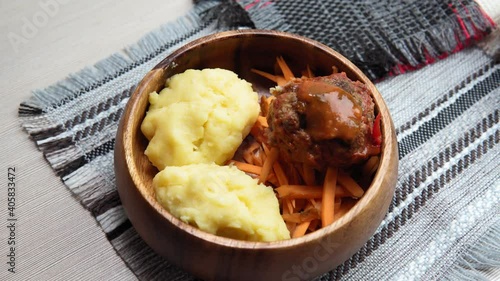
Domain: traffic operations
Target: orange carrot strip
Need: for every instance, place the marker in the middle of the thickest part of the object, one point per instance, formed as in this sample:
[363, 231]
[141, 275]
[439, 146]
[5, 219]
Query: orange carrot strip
[281, 81]
[258, 128]
[340, 191]
[289, 205]
[265, 104]
[350, 185]
[313, 225]
[263, 121]
[301, 229]
[287, 73]
[328, 199]
[307, 191]
[293, 175]
[309, 215]
[315, 204]
[268, 164]
[300, 204]
[266, 149]
[270, 99]
[299, 191]
[273, 179]
[248, 157]
[248, 168]
[280, 174]
[265, 75]
[289, 225]
[309, 176]
[257, 158]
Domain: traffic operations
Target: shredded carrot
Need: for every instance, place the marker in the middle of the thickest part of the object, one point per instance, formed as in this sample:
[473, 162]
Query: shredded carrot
[257, 131]
[280, 174]
[315, 204]
[262, 121]
[257, 158]
[266, 149]
[313, 225]
[289, 205]
[301, 229]
[265, 104]
[299, 191]
[300, 204]
[328, 199]
[270, 99]
[248, 168]
[290, 225]
[307, 191]
[307, 215]
[272, 156]
[269, 76]
[340, 191]
[272, 179]
[281, 81]
[348, 183]
[294, 176]
[287, 73]
[309, 176]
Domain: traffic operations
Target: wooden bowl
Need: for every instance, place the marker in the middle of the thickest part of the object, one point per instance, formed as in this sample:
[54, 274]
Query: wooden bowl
[217, 258]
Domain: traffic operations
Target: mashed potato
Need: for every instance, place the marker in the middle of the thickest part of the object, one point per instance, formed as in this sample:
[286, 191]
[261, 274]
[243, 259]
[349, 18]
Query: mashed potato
[202, 116]
[221, 200]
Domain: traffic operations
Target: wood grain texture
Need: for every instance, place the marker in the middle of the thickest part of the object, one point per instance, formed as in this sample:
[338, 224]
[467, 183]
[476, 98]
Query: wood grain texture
[217, 258]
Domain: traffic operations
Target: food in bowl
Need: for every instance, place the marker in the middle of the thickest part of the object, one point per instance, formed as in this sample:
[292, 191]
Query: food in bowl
[309, 141]
[211, 257]
[221, 200]
[201, 116]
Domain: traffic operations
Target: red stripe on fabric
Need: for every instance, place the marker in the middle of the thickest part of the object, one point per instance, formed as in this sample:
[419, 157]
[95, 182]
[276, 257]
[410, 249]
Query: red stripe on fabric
[403, 68]
[247, 7]
[461, 23]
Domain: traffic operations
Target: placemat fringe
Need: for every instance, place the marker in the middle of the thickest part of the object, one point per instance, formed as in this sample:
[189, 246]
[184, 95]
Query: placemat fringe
[466, 26]
[484, 254]
[259, 12]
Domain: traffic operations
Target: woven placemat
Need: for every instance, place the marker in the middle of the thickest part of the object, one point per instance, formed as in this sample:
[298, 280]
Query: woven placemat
[444, 220]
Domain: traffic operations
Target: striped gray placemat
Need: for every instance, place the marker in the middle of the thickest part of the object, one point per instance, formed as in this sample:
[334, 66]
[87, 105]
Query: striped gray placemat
[444, 220]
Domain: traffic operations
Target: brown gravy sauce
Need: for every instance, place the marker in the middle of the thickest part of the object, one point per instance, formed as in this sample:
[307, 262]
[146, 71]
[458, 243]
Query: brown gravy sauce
[330, 111]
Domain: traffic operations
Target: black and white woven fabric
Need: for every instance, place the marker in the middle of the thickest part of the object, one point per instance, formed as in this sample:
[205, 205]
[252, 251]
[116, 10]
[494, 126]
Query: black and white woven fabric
[444, 220]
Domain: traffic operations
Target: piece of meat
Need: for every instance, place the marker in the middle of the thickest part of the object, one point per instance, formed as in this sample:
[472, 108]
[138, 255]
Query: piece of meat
[322, 121]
